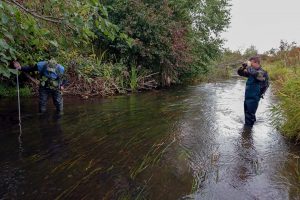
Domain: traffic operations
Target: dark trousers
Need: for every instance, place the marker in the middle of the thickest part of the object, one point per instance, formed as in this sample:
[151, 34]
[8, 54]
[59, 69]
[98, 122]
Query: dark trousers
[250, 107]
[44, 93]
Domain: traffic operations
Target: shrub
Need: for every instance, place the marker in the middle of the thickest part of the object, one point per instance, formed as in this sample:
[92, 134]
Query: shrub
[287, 87]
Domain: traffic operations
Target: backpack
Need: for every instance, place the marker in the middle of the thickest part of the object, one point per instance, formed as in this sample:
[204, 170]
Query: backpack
[264, 85]
[46, 78]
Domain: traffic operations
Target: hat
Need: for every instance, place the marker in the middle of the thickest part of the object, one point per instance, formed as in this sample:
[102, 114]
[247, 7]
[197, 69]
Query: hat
[51, 65]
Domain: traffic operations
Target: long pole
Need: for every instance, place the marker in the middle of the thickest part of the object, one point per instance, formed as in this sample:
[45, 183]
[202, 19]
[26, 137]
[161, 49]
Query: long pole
[19, 112]
[19, 107]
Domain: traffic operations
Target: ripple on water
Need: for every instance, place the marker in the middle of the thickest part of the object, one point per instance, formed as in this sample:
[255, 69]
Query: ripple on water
[186, 143]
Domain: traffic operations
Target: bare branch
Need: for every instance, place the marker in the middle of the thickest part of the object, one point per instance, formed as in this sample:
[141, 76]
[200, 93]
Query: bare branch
[46, 18]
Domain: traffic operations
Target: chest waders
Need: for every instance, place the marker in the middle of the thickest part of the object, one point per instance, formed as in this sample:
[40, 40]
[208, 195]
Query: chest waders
[50, 87]
[252, 97]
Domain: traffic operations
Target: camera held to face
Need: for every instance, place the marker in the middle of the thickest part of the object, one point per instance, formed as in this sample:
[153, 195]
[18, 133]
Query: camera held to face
[246, 64]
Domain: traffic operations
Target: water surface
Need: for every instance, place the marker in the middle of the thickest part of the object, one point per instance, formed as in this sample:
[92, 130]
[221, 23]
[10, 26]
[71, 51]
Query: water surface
[184, 143]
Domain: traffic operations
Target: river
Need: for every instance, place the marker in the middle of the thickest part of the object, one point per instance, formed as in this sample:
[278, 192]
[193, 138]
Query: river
[183, 143]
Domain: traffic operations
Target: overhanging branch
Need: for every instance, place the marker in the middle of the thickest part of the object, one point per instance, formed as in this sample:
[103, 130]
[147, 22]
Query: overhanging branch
[24, 9]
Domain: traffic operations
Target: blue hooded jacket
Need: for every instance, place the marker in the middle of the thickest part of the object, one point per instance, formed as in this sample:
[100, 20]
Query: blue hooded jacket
[41, 67]
[255, 85]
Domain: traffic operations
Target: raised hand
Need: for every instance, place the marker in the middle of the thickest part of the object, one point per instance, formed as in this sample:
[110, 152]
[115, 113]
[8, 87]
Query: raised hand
[17, 65]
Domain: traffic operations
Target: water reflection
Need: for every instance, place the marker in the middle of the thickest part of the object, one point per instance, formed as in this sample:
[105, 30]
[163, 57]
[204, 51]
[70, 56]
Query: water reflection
[53, 143]
[246, 160]
[242, 160]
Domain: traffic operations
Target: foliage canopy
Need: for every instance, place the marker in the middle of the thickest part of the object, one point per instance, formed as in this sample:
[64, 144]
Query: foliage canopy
[174, 38]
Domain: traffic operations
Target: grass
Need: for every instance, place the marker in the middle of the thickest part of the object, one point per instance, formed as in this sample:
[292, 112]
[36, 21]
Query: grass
[6, 91]
[286, 82]
[133, 78]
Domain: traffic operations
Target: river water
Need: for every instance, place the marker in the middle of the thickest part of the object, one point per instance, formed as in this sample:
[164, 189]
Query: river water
[183, 143]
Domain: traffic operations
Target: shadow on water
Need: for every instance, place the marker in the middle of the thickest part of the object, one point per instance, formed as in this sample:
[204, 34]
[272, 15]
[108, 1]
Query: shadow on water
[186, 143]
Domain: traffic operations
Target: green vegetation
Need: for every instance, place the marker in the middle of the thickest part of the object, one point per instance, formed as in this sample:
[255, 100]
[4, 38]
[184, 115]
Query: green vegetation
[283, 66]
[287, 86]
[6, 91]
[117, 46]
[227, 63]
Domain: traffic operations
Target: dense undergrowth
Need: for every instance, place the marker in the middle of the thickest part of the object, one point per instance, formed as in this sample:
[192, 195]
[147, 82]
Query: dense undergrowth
[284, 71]
[286, 84]
[110, 47]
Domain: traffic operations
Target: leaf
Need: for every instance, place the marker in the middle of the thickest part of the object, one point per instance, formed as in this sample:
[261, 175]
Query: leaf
[4, 72]
[24, 26]
[3, 44]
[4, 57]
[35, 42]
[103, 11]
[94, 2]
[44, 31]
[9, 36]
[54, 43]
[4, 61]
[10, 8]
[18, 17]
[4, 18]
[13, 71]
[12, 53]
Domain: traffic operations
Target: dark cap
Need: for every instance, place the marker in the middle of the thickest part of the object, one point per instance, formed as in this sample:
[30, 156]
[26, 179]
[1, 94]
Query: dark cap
[255, 59]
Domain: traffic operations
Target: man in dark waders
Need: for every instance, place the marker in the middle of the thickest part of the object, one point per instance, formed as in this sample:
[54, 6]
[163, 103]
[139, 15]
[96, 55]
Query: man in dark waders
[256, 86]
[51, 82]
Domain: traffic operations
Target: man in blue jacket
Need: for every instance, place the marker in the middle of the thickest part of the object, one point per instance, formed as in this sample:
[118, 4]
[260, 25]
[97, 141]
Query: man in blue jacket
[256, 86]
[51, 82]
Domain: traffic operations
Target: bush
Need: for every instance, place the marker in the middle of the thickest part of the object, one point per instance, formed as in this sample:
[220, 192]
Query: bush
[168, 38]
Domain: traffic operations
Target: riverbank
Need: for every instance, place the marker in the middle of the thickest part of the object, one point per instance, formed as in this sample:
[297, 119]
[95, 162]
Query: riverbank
[286, 84]
[110, 82]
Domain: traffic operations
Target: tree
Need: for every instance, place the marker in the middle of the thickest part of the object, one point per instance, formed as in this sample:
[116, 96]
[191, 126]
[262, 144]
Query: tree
[251, 51]
[174, 38]
[171, 37]
[284, 49]
[28, 30]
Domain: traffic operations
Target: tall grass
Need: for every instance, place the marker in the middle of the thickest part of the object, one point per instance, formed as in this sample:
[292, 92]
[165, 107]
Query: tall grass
[133, 78]
[286, 82]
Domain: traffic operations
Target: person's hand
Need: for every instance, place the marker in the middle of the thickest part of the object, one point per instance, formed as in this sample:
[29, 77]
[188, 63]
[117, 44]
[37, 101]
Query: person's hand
[62, 87]
[17, 65]
[249, 63]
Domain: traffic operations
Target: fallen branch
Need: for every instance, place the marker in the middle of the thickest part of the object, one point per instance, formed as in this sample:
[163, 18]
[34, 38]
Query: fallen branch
[151, 75]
